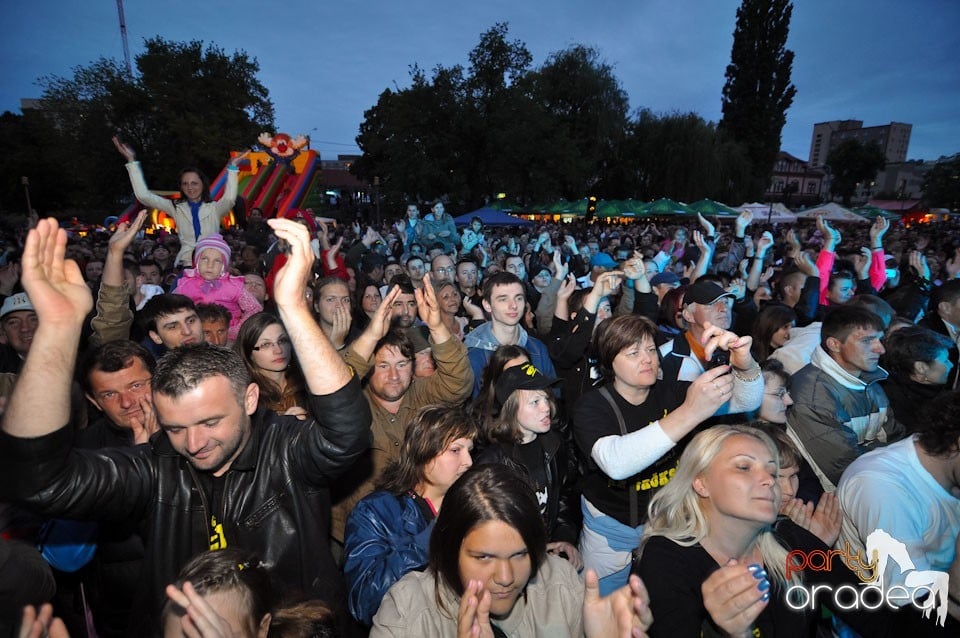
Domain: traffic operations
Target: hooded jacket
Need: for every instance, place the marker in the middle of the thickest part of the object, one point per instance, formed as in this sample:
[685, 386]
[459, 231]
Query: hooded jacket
[837, 416]
[481, 344]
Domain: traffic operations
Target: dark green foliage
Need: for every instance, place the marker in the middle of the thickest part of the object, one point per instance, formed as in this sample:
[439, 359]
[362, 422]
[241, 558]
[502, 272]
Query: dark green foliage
[941, 186]
[758, 91]
[852, 162]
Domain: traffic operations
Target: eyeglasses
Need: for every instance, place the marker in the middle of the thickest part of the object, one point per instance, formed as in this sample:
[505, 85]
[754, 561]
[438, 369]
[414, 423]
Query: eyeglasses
[444, 270]
[780, 393]
[282, 342]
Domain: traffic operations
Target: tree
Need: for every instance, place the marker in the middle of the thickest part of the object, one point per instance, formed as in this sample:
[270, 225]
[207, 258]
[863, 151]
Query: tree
[851, 163]
[499, 126]
[758, 91]
[941, 186]
[584, 121]
[684, 157]
[186, 105]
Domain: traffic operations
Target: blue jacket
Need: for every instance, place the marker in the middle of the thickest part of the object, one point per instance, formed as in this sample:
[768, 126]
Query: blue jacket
[386, 537]
[481, 344]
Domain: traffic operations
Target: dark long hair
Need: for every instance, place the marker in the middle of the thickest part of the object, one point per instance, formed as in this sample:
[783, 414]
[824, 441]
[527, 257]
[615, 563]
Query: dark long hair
[205, 195]
[484, 493]
[271, 395]
[484, 406]
[773, 317]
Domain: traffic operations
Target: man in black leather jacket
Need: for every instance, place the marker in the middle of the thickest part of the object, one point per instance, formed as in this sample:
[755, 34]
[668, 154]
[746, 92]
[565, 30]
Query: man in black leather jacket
[221, 473]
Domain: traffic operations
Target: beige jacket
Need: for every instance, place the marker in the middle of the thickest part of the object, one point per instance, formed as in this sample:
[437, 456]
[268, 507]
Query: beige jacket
[552, 608]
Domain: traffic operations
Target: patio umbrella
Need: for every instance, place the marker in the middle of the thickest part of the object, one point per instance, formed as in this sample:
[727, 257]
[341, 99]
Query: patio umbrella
[611, 208]
[579, 207]
[490, 217]
[831, 211]
[776, 213]
[707, 207]
[504, 206]
[632, 207]
[872, 212]
[537, 208]
[665, 206]
[559, 206]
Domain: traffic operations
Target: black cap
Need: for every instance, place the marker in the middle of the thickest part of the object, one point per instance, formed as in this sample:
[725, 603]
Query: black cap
[522, 377]
[706, 293]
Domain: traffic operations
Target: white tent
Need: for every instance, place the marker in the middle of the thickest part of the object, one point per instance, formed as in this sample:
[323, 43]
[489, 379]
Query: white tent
[833, 212]
[777, 213]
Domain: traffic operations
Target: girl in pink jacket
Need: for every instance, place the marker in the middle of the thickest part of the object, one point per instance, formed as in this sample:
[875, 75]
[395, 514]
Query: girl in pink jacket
[210, 282]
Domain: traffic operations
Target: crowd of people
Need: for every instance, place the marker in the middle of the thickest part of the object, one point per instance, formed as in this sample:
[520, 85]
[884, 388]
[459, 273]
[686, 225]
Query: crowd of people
[300, 427]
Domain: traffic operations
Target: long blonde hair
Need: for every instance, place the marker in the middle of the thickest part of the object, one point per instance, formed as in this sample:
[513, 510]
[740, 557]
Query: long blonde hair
[675, 511]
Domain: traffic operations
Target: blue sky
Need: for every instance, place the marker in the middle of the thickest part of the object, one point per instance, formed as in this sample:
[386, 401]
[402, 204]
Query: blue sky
[324, 63]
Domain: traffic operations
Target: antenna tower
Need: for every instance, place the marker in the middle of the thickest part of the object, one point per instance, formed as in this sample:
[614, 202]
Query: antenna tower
[123, 36]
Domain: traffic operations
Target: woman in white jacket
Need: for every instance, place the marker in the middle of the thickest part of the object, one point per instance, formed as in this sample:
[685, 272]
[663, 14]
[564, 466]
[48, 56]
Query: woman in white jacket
[196, 214]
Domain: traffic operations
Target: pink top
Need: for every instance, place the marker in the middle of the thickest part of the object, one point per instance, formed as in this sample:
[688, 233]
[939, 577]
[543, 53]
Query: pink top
[228, 291]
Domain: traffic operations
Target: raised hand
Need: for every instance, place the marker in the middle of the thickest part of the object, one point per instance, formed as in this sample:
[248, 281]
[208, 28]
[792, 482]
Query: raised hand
[764, 244]
[862, 262]
[734, 596]
[428, 307]
[126, 231]
[805, 264]
[200, 620]
[793, 242]
[624, 613]
[567, 287]
[700, 241]
[831, 235]
[379, 325]
[236, 159]
[607, 283]
[714, 337]
[919, 263]
[738, 287]
[708, 228]
[826, 519]
[42, 624]
[290, 282]
[878, 229]
[743, 220]
[473, 617]
[560, 269]
[55, 285]
[124, 149]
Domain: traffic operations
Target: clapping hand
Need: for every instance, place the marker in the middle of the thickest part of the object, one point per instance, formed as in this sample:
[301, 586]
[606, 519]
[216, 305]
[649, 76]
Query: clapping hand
[734, 596]
[290, 282]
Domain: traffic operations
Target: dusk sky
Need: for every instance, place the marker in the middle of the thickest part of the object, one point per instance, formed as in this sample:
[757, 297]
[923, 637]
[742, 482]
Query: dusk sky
[324, 63]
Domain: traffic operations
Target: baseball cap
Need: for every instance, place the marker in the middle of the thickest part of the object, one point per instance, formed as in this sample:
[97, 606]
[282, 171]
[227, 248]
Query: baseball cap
[705, 293]
[522, 377]
[664, 278]
[13, 303]
[602, 260]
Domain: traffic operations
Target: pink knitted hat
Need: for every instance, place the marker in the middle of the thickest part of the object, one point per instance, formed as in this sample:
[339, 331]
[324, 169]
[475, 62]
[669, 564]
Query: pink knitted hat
[215, 241]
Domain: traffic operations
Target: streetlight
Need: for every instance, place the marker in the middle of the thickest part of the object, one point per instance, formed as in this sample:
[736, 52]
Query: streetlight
[376, 193]
[26, 189]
